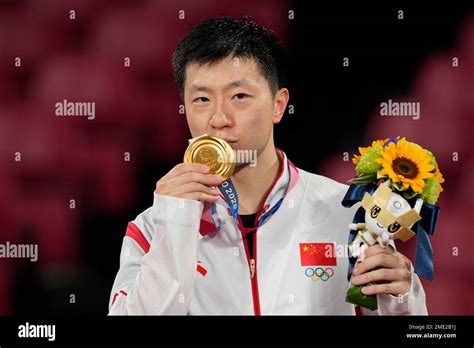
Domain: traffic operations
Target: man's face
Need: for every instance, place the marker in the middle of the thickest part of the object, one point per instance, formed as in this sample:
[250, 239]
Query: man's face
[233, 101]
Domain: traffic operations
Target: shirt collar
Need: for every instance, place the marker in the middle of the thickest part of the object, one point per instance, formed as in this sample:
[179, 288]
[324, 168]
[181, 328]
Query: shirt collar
[285, 181]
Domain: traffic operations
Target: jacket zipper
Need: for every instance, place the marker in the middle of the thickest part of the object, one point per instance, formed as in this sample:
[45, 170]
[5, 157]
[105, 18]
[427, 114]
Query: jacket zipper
[252, 262]
[254, 275]
[252, 267]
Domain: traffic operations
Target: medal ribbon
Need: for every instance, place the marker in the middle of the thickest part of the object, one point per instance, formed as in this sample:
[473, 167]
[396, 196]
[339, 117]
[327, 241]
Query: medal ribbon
[229, 193]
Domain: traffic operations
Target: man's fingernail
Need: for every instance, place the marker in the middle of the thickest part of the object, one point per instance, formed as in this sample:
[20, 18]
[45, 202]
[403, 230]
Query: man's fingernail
[364, 291]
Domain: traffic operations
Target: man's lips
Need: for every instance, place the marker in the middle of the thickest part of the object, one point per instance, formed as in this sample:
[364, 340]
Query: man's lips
[229, 140]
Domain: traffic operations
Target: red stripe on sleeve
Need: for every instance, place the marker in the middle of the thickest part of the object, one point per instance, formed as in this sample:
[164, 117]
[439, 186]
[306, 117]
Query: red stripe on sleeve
[134, 232]
[118, 293]
[201, 270]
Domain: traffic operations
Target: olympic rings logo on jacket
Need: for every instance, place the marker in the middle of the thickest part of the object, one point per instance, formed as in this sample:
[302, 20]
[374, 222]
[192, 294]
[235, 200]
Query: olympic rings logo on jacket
[318, 273]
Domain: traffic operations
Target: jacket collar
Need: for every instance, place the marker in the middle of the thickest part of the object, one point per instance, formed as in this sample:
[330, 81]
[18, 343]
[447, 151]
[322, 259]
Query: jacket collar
[284, 183]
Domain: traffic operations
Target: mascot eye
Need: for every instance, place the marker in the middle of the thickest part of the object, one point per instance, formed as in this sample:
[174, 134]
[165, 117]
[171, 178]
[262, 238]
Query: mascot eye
[397, 205]
[375, 211]
[393, 227]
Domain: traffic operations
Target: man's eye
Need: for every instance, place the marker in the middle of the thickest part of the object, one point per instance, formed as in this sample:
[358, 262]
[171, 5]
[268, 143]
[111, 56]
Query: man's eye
[241, 96]
[375, 211]
[200, 100]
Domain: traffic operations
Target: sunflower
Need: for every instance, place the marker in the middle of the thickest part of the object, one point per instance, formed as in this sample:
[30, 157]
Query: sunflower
[364, 150]
[438, 175]
[406, 163]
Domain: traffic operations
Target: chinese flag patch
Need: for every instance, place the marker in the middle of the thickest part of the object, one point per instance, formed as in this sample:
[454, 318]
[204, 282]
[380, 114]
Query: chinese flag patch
[318, 254]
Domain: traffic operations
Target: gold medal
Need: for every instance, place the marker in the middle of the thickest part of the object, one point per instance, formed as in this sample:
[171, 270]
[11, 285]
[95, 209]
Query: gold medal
[213, 152]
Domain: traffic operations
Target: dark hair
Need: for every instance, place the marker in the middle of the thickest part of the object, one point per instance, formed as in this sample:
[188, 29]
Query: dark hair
[218, 38]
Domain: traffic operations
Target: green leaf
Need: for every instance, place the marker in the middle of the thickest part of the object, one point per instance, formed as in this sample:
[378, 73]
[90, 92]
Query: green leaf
[409, 194]
[354, 295]
[398, 186]
[364, 179]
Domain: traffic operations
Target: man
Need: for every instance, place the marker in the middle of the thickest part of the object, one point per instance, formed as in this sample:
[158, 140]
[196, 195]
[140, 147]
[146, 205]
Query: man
[274, 259]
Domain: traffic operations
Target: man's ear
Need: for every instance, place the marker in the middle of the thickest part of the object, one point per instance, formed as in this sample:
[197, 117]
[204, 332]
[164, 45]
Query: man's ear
[281, 101]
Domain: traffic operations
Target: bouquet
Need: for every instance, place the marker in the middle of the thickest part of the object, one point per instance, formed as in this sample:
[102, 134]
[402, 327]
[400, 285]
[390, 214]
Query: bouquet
[398, 183]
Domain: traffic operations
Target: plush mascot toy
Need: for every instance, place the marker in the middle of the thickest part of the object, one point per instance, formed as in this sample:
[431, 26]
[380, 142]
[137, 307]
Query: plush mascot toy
[398, 183]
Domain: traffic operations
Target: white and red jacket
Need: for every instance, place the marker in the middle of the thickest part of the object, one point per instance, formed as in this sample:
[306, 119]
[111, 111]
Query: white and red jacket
[173, 262]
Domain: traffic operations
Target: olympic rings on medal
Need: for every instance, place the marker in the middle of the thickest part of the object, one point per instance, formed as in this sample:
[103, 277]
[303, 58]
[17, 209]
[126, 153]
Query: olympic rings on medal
[319, 273]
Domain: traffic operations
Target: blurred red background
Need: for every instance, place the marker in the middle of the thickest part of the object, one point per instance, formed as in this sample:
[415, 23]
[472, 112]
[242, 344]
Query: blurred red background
[137, 113]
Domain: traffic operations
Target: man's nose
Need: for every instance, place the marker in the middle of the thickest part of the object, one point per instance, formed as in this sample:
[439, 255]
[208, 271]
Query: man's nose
[221, 117]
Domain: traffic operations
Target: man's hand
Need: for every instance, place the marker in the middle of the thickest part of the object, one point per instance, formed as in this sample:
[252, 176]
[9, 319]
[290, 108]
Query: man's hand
[190, 181]
[395, 272]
